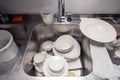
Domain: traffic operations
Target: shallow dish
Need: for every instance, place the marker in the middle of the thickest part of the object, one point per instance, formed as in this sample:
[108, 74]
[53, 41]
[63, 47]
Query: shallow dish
[97, 30]
[64, 43]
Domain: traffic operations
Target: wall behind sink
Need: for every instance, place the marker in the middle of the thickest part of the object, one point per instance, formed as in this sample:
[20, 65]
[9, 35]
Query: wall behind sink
[73, 6]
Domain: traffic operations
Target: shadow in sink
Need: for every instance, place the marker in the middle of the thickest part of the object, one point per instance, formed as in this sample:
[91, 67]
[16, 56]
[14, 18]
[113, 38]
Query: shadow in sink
[42, 33]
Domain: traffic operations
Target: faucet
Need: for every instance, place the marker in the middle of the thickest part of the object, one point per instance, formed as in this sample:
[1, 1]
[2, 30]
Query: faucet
[61, 11]
[62, 16]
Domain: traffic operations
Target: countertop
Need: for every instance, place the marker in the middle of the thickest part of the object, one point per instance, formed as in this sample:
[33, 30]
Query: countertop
[103, 68]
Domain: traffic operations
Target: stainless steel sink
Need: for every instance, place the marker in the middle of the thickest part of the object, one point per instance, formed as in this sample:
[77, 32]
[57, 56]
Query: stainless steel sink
[41, 33]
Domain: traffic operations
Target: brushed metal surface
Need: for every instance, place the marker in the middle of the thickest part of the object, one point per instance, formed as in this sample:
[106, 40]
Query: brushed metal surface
[41, 33]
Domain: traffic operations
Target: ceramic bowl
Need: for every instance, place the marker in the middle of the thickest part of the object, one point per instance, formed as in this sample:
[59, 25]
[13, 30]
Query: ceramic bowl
[39, 57]
[46, 46]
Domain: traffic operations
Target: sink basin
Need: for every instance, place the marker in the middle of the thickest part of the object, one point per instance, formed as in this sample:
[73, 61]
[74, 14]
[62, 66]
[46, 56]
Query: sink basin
[41, 33]
[12, 28]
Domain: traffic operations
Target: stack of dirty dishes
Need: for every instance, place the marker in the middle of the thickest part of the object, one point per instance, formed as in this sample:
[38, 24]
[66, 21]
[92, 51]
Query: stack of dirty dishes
[65, 54]
[48, 64]
[67, 47]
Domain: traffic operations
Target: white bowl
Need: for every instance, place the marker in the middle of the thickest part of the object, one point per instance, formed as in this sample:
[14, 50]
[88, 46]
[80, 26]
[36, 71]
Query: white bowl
[39, 57]
[47, 46]
[64, 43]
[55, 66]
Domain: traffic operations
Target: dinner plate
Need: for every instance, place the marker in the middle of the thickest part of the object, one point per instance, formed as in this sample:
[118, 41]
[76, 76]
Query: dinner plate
[64, 43]
[74, 54]
[97, 30]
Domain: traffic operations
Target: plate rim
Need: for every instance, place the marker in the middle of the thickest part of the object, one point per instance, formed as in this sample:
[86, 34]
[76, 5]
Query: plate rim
[81, 27]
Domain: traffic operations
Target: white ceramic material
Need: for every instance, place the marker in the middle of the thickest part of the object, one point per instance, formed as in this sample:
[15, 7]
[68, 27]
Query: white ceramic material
[97, 30]
[8, 48]
[39, 67]
[73, 54]
[39, 58]
[46, 46]
[55, 66]
[64, 43]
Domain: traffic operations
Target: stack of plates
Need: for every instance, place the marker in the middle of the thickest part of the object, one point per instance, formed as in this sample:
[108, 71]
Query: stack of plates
[67, 43]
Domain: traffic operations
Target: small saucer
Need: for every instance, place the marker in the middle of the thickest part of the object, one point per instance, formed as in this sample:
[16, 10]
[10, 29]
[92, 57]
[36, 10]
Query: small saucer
[75, 53]
[64, 43]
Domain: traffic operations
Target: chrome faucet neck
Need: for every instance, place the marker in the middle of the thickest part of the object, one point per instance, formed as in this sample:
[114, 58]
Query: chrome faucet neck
[61, 10]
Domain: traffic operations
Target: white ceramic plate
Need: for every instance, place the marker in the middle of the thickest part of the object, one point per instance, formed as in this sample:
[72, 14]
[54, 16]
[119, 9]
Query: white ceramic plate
[48, 73]
[64, 43]
[97, 30]
[75, 53]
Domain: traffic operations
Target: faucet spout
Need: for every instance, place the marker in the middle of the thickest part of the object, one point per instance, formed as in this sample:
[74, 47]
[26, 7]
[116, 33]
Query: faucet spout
[61, 10]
